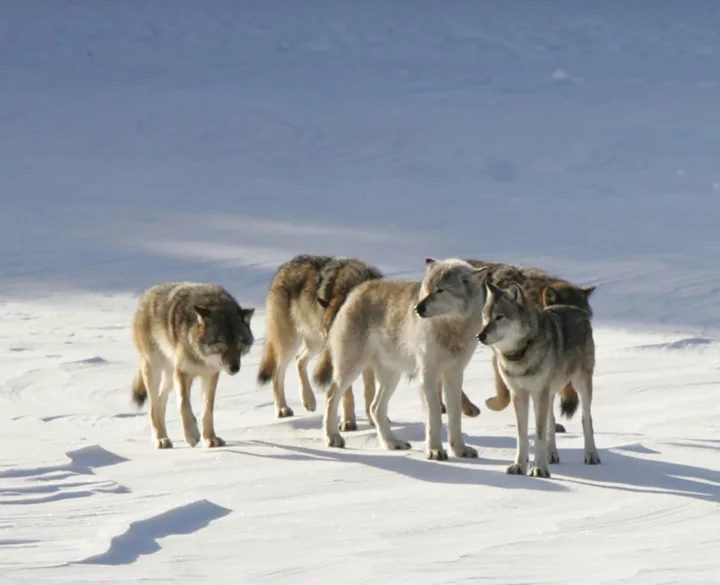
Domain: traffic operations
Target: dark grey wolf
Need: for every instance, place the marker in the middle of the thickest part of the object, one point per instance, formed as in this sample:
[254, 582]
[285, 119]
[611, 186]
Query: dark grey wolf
[184, 330]
[543, 290]
[538, 352]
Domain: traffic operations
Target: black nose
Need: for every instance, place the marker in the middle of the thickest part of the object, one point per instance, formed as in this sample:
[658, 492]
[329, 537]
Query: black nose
[482, 336]
[234, 368]
[420, 309]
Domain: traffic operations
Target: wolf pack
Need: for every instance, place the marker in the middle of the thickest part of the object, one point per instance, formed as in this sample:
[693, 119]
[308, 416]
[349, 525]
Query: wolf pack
[357, 322]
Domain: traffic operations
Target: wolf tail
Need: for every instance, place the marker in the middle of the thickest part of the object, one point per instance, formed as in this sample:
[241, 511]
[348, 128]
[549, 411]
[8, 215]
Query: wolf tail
[268, 364]
[323, 372]
[568, 401]
[139, 391]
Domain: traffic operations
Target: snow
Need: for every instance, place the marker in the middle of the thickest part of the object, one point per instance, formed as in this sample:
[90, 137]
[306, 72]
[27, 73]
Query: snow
[144, 142]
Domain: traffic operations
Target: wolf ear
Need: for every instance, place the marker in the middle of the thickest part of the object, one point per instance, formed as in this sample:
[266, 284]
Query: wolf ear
[549, 297]
[247, 314]
[588, 290]
[478, 275]
[324, 303]
[491, 289]
[516, 293]
[202, 313]
[429, 262]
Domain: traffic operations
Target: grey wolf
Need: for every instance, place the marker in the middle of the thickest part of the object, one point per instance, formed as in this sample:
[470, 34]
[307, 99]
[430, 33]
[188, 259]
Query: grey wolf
[539, 351]
[426, 329]
[543, 290]
[184, 330]
[303, 299]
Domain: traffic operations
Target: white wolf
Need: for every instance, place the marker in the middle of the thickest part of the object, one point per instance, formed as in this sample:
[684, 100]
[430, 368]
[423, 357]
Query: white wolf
[426, 329]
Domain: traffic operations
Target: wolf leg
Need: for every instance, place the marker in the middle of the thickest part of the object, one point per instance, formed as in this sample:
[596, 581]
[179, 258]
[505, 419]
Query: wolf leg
[502, 395]
[282, 410]
[151, 378]
[452, 382]
[307, 395]
[521, 402]
[209, 385]
[541, 404]
[183, 384]
[330, 420]
[369, 383]
[552, 450]
[433, 413]
[388, 381]
[348, 422]
[583, 383]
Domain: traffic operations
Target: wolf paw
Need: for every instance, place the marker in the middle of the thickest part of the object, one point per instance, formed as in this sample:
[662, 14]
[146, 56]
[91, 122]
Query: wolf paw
[192, 435]
[559, 428]
[285, 412]
[515, 469]
[348, 425]
[335, 441]
[309, 403]
[470, 410]
[163, 443]
[213, 442]
[397, 445]
[437, 454]
[553, 457]
[537, 471]
[465, 451]
[592, 458]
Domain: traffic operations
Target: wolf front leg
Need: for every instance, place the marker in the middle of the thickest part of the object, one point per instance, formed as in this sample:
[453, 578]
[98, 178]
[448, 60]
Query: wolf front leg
[452, 382]
[151, 376]
[541, 404]
[433, 412]
[183, 383]
[209, 385]
[521, 402]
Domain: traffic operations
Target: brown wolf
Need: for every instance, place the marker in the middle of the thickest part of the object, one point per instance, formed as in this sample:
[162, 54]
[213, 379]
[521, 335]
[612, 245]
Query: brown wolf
[184, 330]
[543, 290]
[304, 296]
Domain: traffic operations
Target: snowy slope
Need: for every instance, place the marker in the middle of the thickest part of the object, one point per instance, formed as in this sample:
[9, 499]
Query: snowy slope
[212, 141]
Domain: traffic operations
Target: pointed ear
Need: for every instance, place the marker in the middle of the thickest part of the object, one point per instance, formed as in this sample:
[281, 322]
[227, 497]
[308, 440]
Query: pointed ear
[202, 313]
[477, 276]
[324, 303]
[491, 289]
[247, 314]
[429, 262]
[516, 293]
[549, 297]
[588, 290]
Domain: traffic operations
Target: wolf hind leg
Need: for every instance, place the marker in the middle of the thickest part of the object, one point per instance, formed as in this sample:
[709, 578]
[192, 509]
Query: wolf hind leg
[582, 381]
[306, 353]
[388, 381]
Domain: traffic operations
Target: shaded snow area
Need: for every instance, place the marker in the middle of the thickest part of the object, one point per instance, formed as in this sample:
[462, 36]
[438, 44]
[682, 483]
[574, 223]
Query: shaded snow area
[151, 141]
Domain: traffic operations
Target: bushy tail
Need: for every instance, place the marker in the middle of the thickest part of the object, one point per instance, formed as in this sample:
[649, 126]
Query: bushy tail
[268, 364]
[323, 372]
[568, 401]
[139, 392]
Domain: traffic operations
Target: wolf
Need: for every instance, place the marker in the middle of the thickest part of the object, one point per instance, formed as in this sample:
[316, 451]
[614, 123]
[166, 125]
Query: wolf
[184, 330]
[543, 290]
[304, 296]
[426, 329]
[303, 299]
[537, 352]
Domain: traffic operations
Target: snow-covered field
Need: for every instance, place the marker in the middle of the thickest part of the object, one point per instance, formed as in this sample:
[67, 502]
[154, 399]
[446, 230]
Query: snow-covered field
[147, 141]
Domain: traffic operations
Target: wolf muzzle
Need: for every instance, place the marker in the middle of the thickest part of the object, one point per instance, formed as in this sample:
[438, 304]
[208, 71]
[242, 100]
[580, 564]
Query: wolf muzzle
[482, 335]
[421, 308]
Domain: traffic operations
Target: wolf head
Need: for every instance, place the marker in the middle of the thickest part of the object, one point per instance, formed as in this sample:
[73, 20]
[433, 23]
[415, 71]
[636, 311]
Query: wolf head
[562, 293]
[224, 335]
[450, 288]
[507, 317]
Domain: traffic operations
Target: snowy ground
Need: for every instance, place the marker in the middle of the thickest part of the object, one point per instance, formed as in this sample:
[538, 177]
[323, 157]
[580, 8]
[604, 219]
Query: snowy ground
[212, 141]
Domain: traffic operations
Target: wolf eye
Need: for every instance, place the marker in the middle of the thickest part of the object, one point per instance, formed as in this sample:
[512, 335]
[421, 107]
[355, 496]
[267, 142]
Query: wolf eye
[440, 291]
[499, 317]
